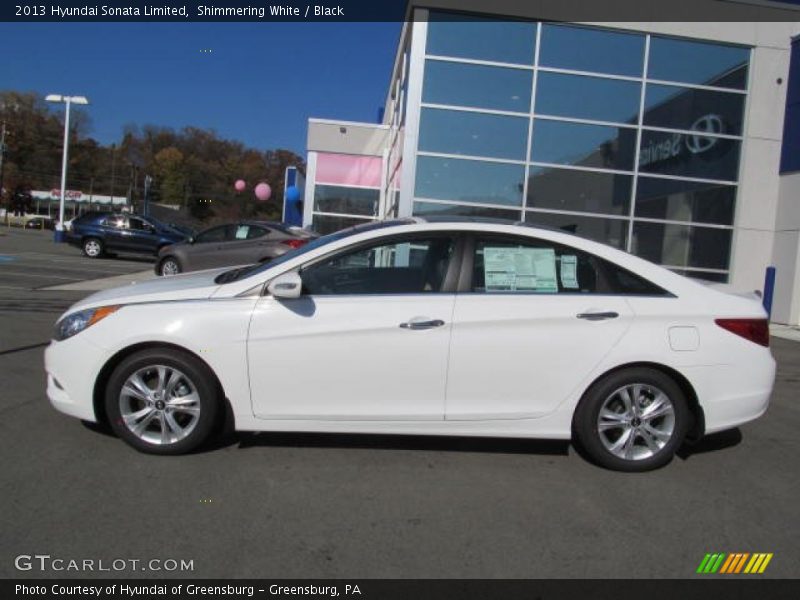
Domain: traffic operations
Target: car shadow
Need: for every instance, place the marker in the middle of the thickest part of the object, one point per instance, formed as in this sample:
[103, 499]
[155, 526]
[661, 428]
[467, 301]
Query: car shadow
[138, 258]
[247, 440]
[711, 443]
[266, 439]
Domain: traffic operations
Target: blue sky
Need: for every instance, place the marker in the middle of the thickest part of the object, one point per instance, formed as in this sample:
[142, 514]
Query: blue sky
[259, 84]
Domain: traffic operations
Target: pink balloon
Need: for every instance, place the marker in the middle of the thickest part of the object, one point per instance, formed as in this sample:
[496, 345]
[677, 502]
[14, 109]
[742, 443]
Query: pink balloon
[263, 191]
[239, 185]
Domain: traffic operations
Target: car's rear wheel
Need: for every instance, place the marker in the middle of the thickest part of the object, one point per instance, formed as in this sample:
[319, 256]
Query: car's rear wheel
[170, 266]
[632, 420]
[93, 247]
[162, 402]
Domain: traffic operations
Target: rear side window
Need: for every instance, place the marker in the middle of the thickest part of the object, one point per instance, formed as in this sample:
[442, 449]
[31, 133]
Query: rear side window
[138, 224]
[116, 222]
[514, 265]
[248, 232]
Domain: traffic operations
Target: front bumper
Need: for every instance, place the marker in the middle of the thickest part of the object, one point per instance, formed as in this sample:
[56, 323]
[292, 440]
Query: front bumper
[72, 367]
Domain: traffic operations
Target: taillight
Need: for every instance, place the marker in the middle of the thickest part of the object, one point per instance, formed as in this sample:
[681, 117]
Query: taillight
[293, 243]
[755, 330]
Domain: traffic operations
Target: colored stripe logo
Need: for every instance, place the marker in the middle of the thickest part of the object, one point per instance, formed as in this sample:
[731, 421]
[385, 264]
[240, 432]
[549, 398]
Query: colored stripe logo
[734, 563]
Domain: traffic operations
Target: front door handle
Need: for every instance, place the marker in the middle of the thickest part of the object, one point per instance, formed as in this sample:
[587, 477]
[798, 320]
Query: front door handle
[597, 316]
[422, 324]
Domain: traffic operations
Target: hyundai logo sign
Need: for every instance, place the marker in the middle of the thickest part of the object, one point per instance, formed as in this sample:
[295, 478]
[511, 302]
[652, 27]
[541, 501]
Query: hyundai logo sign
[708, 124]
[699, 141]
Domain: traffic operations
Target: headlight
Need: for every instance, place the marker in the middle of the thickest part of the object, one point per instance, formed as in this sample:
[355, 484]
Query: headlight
[83, 319]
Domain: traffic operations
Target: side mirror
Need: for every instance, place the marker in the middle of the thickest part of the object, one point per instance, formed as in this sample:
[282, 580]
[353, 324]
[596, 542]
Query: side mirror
[287, 286]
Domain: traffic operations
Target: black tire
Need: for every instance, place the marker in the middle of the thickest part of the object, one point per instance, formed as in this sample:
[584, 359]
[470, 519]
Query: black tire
[636, 454]
[93, 247]
[164, 269]
[193, 373]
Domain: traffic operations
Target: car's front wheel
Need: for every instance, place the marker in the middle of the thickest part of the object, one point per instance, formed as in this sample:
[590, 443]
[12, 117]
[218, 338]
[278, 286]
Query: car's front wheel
[170, 266]
[93, 247]
[162, 401]
[632, 420]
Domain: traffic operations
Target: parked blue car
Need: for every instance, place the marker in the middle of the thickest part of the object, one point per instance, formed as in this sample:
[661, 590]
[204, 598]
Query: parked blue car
[99, 233]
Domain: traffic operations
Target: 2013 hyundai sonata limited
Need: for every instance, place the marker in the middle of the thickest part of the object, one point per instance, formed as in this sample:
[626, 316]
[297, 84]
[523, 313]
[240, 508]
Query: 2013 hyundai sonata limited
[443, 327]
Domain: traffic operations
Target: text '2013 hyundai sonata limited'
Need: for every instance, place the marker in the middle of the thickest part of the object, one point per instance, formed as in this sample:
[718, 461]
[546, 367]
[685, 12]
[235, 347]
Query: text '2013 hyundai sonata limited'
[443, 327]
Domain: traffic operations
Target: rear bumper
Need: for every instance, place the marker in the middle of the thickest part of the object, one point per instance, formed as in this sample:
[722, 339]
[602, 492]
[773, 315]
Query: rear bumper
[731, 396]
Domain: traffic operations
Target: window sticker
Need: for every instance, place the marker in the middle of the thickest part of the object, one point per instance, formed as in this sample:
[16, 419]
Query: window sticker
[519, 269]
[241, 232]
[569, 271]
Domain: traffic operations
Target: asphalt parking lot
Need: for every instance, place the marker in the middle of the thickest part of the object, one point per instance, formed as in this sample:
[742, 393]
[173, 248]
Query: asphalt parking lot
[319, 506]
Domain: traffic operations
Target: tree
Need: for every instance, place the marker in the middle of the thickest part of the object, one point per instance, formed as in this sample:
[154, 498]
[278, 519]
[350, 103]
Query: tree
[192, 167]
[170, 176]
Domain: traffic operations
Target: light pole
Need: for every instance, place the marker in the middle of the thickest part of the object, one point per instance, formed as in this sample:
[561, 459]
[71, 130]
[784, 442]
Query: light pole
[68, 100]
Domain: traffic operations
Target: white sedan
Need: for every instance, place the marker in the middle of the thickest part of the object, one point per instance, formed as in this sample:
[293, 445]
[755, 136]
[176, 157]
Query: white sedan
[470, 328]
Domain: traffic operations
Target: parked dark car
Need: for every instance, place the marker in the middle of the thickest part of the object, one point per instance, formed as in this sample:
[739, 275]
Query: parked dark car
[40, 223]
[241, 243]
[98, 233]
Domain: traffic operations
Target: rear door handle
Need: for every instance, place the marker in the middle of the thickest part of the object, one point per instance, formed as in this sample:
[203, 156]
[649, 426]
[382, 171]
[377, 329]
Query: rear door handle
[597, 316]
[422, 324]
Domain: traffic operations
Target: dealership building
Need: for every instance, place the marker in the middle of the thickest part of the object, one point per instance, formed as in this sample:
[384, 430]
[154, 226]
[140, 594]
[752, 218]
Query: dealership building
[676, 141]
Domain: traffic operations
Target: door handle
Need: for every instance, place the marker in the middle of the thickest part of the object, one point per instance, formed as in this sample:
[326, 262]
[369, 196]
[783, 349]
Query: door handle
[422, 324]
[597, 316]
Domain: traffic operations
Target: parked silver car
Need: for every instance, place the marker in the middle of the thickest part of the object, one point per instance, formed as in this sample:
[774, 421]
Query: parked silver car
[241, 243]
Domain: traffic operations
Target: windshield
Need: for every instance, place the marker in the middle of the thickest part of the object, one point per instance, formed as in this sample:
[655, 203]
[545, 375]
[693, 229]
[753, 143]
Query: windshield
[237, 274]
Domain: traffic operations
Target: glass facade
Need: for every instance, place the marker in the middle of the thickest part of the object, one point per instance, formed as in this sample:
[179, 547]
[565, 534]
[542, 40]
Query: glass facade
[626, 138]
[347, 191]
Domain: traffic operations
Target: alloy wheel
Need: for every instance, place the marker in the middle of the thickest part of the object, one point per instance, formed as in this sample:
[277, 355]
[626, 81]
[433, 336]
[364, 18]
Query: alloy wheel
[92, 248]
[636, 421]
[170, 267]
[159, 404]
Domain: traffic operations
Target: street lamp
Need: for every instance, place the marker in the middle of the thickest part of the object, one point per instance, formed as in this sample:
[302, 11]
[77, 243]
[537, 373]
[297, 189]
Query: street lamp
[59, 232]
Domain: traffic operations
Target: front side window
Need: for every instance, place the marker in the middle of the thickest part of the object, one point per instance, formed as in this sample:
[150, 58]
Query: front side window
[503, 265]
[216, 234]
[407, 266]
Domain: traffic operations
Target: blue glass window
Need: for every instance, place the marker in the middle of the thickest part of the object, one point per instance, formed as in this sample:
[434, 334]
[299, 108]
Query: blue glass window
[463, 210]
[325, 224]
[588, 97]
[465, 36]
[346, 200]
[679, 200]
[682, 245]
[477, 86]
[469, 181]
[701, 63]
[689, 108]
[689, 155]
[607, 231]
[583, 191]
[596, 50]
[579, 144]
[473, 134]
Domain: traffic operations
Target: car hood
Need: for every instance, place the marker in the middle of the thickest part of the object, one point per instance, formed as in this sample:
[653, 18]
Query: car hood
[191, 286]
